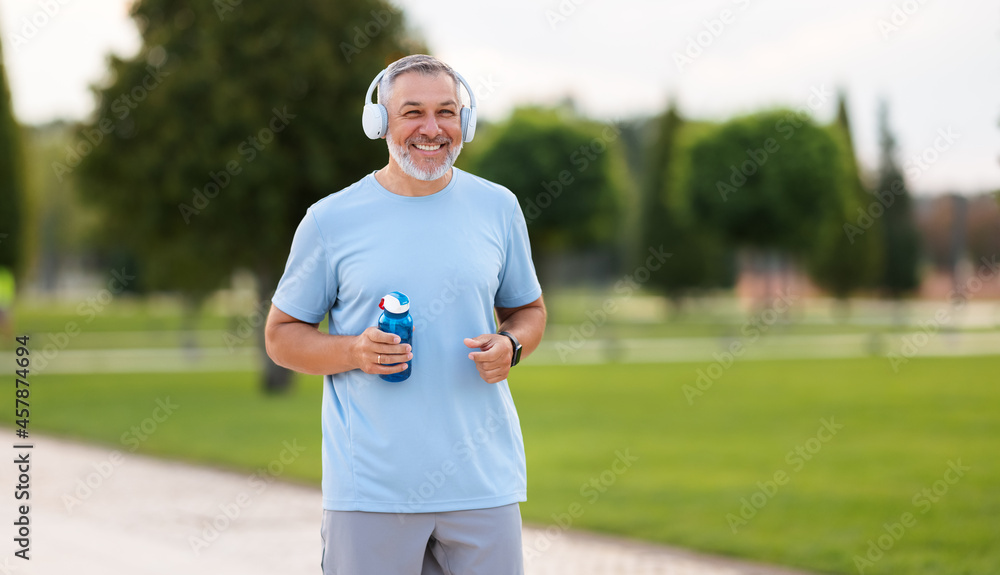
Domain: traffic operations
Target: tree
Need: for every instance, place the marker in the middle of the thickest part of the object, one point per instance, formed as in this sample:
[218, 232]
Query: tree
[11, 180]
[761, 187]
[209, 145]
[901, 240]
[567, 174]
[699, 257]
[846, 257]
[767, 181]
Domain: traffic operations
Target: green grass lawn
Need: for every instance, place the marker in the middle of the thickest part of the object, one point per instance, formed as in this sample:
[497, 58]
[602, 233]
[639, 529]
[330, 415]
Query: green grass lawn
[131, 322]
[695, 462]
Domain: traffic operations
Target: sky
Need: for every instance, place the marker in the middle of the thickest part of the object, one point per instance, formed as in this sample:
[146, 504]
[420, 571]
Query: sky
[936, 63]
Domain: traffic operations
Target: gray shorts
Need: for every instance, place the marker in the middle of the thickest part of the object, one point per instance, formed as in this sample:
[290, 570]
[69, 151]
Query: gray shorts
[473, 542]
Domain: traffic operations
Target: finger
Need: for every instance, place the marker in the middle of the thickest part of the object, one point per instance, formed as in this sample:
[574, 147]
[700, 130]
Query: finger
[474, 342]
[491, 367]
[494, 375]
[386, 369]
[396, 368]
[492, 354]
[377, 335]
[490, 370]
[500, 371]
[391, 358]
[395, 360]
[388, 365]
[391, 348]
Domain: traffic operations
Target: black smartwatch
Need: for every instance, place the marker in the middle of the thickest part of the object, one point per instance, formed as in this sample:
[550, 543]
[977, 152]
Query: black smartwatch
[517, 348]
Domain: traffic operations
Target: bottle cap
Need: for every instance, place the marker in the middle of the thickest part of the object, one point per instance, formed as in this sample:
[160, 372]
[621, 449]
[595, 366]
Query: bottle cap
[395, 302]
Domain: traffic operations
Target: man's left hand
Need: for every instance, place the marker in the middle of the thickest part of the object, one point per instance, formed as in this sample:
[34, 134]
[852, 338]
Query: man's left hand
[494, 356]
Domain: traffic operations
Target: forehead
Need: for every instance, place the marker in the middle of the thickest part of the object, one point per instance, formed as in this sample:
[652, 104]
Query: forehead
[414, 87]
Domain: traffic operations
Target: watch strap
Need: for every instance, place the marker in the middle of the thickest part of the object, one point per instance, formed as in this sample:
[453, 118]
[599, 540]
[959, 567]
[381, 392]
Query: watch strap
[516, 357]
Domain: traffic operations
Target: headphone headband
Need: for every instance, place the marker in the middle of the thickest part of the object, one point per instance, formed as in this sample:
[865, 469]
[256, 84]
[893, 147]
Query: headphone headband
[371, 88]
[472, 95]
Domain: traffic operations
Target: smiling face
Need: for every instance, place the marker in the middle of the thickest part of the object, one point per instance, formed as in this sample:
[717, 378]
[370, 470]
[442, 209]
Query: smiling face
[425, 126]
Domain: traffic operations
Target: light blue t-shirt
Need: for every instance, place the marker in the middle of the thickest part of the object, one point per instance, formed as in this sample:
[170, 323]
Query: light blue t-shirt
[444, 439]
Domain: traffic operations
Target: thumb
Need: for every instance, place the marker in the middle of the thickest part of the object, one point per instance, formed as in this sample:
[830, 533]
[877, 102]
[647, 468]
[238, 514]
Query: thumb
[476, 342]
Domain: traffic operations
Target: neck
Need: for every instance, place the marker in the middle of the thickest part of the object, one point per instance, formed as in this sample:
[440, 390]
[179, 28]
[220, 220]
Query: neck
[394, 179]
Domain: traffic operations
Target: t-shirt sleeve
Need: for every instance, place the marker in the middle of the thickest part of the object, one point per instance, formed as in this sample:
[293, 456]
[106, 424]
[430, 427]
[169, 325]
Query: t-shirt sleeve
[307, 288]
[518, 282]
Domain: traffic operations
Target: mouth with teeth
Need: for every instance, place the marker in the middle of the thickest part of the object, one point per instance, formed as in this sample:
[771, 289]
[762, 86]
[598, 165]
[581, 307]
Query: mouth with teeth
[429, 146]
[425, 158]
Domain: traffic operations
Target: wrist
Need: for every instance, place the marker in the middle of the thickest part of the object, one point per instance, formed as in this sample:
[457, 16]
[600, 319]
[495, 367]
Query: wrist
[515, 357]
[354, 351]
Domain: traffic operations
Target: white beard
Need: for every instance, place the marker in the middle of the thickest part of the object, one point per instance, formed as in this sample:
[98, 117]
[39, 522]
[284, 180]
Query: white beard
[401, 154]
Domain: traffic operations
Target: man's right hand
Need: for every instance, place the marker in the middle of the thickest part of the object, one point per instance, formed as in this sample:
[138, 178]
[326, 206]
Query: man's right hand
[374, 350]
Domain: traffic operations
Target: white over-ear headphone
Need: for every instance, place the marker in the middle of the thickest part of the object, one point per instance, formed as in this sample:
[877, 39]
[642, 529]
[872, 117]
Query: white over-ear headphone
[375, 118]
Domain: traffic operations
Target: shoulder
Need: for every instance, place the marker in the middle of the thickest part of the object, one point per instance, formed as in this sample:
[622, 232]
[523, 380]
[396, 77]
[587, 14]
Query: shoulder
[485, 190]
[344, 199]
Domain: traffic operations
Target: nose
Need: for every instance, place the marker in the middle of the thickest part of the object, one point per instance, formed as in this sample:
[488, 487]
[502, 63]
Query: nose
[429, 127]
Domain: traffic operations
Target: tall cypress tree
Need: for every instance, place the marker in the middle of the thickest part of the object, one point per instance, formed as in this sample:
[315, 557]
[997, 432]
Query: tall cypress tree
[900, 273]
[11, 179]
[847, 258]
[699, 258]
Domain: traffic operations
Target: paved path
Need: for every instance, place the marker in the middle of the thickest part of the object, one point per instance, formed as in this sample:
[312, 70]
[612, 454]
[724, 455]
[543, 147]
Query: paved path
[154, 517]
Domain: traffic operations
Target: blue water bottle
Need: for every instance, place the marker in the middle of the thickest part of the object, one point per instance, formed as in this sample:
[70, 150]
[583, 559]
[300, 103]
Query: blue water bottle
[396, 319]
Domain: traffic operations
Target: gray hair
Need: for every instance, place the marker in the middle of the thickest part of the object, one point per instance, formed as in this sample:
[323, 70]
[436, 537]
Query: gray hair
[420, 63]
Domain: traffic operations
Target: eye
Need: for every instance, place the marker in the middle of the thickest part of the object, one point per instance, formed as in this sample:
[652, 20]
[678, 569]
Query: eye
[447, 112]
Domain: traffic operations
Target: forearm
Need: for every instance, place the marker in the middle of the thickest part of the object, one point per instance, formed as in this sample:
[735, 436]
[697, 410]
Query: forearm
[528, 325]
[303, 348]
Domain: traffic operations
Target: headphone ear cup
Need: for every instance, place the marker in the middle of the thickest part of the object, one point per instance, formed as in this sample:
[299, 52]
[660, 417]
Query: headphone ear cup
[468, 124]
[375, 121]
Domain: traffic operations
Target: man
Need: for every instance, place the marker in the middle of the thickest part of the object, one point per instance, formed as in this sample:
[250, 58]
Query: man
[425, 475]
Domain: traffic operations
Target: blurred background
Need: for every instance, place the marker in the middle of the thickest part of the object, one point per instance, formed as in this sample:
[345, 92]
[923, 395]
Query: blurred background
[748, 217]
